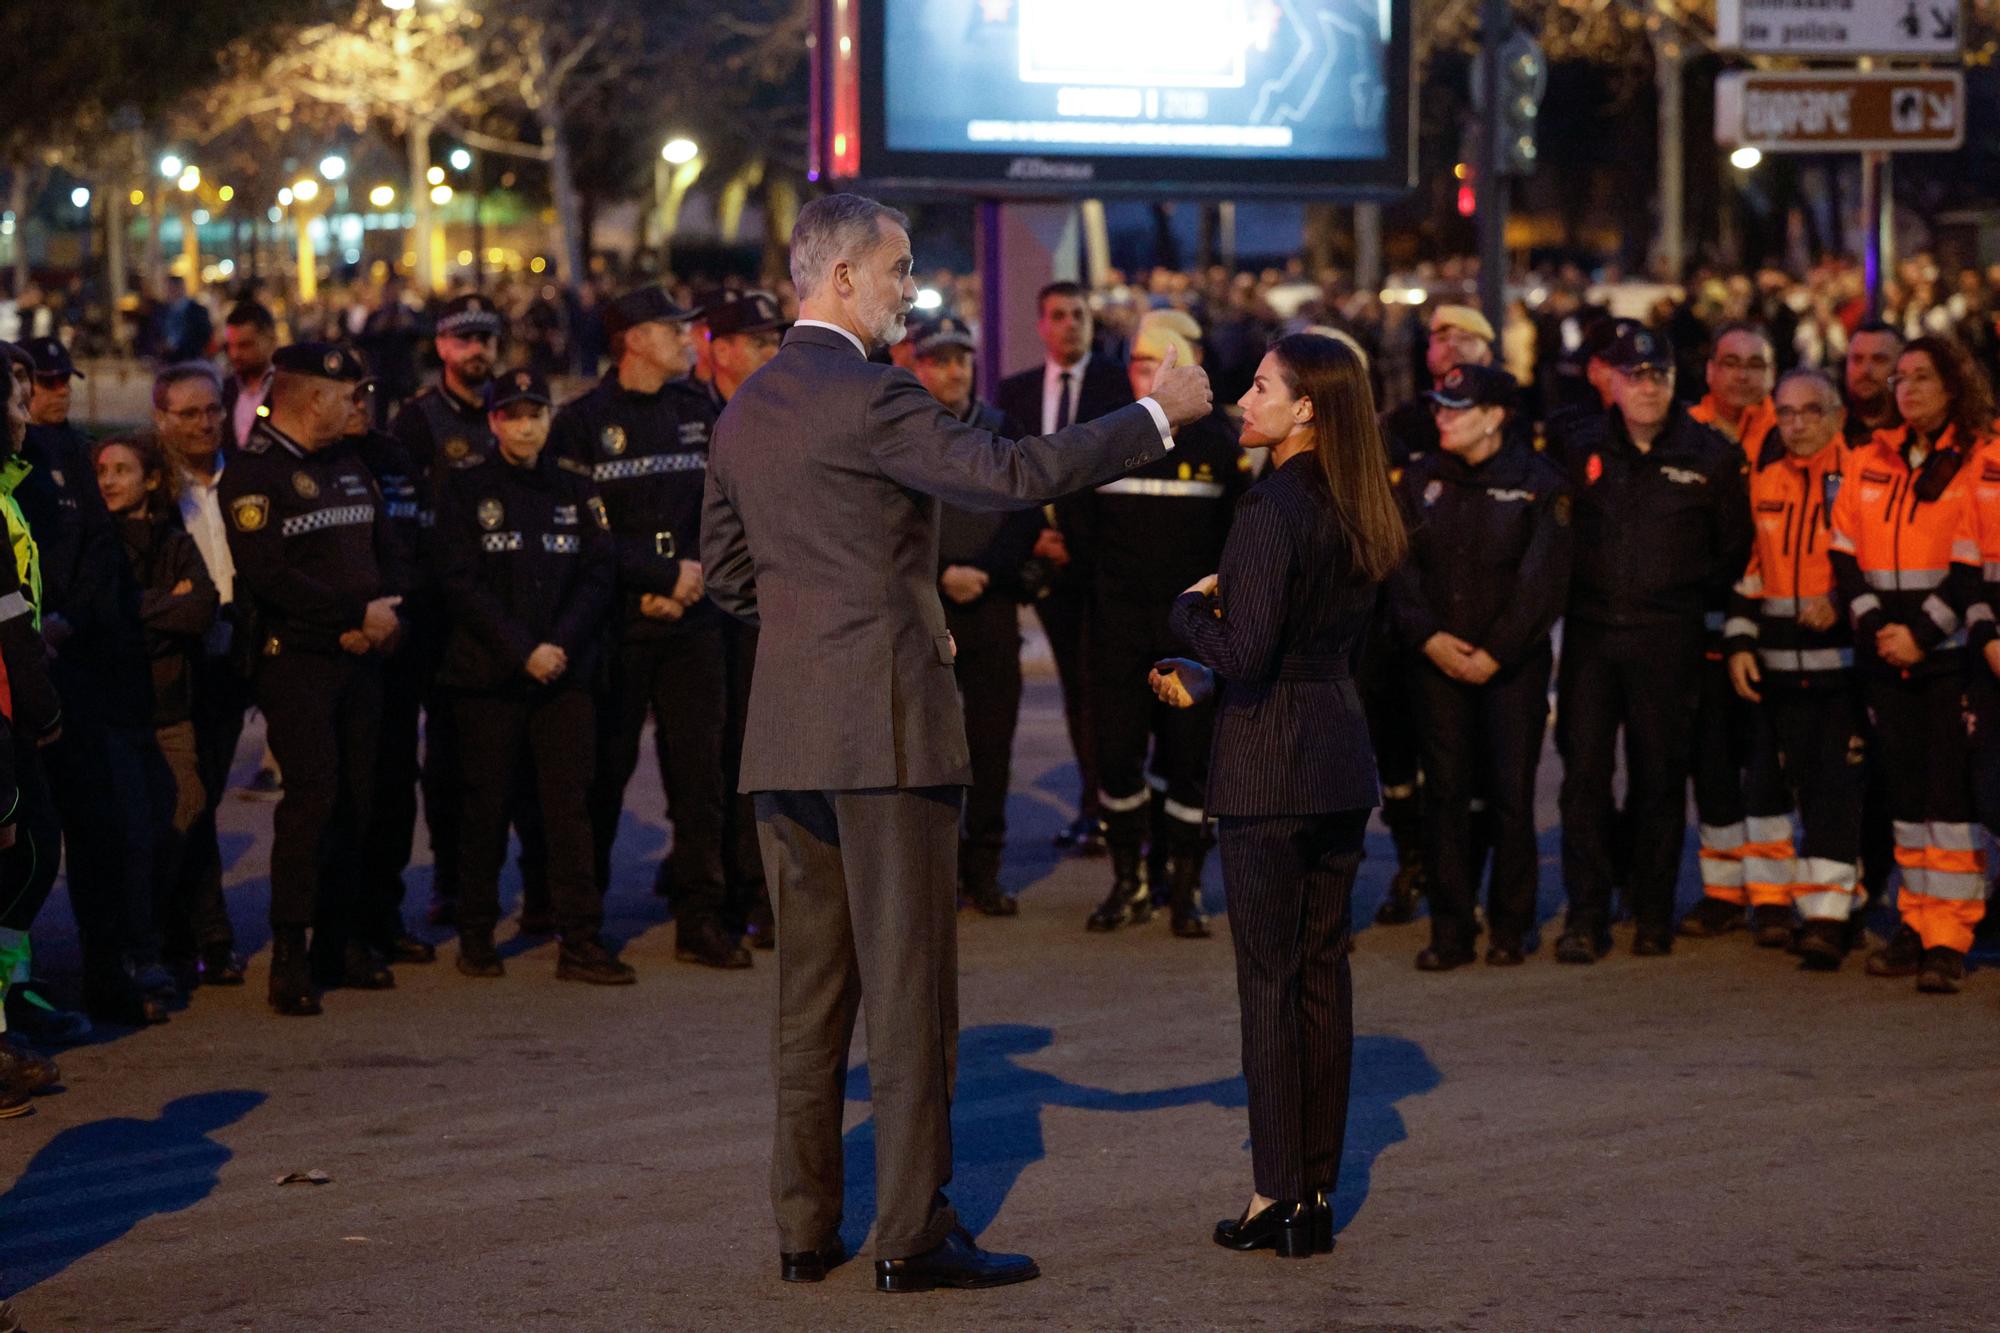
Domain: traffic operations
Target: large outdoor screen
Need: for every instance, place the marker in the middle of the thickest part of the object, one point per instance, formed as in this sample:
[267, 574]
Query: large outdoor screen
[1305, 97]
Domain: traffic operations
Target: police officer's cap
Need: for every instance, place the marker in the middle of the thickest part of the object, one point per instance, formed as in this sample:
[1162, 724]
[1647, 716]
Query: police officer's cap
[941, 336]
[470, 313]
[744, 312]
[647, 305]
[1638, 346]
[325, 361]
[1602, 333]
[517, 386]
[1474, 386]
[50, 357]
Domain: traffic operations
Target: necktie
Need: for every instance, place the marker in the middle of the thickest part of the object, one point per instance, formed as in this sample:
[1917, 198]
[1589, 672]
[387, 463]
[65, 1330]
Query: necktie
[1062, 401]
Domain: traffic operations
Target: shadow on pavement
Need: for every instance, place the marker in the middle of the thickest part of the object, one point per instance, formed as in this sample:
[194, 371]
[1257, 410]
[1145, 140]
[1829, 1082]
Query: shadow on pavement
[997, 1120]
[94, 1183]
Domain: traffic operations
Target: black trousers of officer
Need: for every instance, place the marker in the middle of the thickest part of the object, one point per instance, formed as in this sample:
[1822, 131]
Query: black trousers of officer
[1645, 681]
[28, 867]
[1290, 882]
[1482, 740]
[682, 680]
[98, 775]
[1124, 644]
[988, 668]
[201, 921]
[323, 714]
[742, 863]
[1065, 616]
[541, 739]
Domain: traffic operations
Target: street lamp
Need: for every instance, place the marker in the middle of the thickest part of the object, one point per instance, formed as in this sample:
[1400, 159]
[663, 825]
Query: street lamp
[1745, 158]
[284, 198]
[435, 175]
[170, 166]
[333, 166]
[305, 189]
[680, 151]
[80, 197]
[440, 194]
[460, 160]
[382, 196]
[190, 180]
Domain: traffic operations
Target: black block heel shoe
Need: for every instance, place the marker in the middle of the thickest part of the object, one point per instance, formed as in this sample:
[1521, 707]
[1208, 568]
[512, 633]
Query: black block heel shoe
[1285, 1226]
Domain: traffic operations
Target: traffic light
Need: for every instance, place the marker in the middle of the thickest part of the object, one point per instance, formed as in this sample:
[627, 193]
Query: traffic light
[1524, 78]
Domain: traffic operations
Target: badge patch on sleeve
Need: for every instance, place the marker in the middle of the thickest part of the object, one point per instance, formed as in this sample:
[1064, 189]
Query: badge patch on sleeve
[307, 488]
[490, 513]
[251, 512]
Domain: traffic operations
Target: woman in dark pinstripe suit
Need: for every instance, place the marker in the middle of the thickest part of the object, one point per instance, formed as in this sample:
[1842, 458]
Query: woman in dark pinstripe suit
[1292, 778]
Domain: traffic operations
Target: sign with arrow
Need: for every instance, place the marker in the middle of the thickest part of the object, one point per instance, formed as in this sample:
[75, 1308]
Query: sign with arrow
[1846, 29]
[1839, 111]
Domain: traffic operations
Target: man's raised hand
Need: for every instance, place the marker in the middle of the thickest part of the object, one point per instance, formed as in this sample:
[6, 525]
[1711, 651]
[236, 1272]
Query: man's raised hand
[1182, 392]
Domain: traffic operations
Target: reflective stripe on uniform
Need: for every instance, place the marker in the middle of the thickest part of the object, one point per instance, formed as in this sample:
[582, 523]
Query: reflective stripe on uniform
[340, 516]
[1160, 486]
[1979, 613]
[1825, 904]
[1119, 805]
[499, 541]
[1779, 606]
[1807, 659]
[1725, 838]
[1950, 837]
[1904, 580]
[1739, 627]
[1187, 814]
[1964, 551]
[625, 469]
[1751, 585]
[1824, 872]
[1768, 829]
[561, 543]
[1941, 615]
[1957, 885]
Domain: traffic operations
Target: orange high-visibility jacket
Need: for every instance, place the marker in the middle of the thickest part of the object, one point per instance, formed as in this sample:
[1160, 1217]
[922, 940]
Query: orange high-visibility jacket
[1791, 507]
[1751, 429]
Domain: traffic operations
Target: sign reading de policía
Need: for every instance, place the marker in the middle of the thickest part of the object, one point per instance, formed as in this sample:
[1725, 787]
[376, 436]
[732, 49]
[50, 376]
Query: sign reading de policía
[1822, 111]
[1913, 29]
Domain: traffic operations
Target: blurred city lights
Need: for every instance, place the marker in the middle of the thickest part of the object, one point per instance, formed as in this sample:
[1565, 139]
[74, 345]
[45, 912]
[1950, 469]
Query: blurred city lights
[929, 298]
[226, 193]
[305, 190]
[170, 166]
[680, 152]
[333, 166]
[382, 196]
[285, 198]
[1744, 159]
[190, 180]
[435, 175]
[460, 160]
[80, 197]
[440, 194]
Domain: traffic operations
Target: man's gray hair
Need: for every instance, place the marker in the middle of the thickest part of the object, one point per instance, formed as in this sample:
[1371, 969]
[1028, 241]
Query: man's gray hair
[178, 374]
[832, 228]
[1811, 375]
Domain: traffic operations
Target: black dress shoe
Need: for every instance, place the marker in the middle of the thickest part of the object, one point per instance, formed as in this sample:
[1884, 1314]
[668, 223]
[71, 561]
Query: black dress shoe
[220, 966]
[1653, 942]
[707, 943]
[1582, 945]
[1287, 1227]
[1439, 959]
[119, 1002]
[291, 988]
[26, 1070]
[476, 955]
[992, 901]
[956, 1261]
[361, 968]
[811, 1265]
[407, 948]
[1505, 955]
[589, 960]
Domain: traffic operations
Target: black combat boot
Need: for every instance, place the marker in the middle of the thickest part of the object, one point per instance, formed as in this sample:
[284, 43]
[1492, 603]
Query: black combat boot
[291, 990]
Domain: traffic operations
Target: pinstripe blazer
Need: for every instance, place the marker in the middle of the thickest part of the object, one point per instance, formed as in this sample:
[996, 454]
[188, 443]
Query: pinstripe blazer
[1280, 632]
[820, 522]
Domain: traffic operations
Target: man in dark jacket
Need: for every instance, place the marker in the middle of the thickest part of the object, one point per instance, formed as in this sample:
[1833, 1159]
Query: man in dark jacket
[980, 560]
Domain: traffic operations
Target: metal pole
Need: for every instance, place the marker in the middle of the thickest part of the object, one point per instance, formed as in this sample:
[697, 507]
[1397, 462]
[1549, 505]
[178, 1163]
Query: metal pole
[1496, 21]
[1874, 226]
[1673, 169]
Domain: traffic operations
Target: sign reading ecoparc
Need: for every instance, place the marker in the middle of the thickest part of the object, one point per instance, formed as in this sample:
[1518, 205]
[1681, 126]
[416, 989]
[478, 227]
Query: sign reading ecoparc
[1897, 29]
[1822, 111]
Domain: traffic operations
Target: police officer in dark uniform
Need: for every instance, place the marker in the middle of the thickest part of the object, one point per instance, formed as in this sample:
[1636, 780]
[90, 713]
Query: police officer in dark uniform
[316, 561]
[980, 562]
[742, 332]
[642, 436]
[1486, 579]
[524, 552]
[99, 771]
[442, 429]
[1662, 524]
[406, 677]
[1140, 541]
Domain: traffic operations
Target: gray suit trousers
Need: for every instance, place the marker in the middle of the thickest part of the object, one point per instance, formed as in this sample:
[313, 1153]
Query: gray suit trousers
[864, 887]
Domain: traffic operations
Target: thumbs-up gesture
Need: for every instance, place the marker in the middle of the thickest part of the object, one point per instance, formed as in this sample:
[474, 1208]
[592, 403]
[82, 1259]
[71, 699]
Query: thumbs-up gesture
[1181, 391]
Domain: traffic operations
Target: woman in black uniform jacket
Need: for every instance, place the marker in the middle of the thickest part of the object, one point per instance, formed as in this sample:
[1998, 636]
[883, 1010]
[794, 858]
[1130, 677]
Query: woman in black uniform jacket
[1292, 778]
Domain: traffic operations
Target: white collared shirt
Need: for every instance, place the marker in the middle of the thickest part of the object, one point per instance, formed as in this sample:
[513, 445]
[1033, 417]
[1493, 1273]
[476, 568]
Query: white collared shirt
[248, 399]
[822, 324]
[201, 513]
[1052, 374]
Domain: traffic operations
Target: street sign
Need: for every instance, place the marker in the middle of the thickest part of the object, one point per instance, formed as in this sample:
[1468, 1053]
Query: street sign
[1839, 111]
[1905, 29]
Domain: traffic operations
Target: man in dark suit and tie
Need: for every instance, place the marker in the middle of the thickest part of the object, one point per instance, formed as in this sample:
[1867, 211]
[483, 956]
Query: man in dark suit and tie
[1070, 385]
[820, 524]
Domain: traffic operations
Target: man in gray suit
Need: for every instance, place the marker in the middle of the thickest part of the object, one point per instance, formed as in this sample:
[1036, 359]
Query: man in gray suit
[820, 524]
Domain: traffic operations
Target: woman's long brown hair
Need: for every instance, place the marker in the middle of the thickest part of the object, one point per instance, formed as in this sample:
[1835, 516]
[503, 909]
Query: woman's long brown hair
[1348, 446]
[1968, 396]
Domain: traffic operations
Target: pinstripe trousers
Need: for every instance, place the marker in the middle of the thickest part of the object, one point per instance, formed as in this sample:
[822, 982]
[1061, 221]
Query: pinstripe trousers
[1289, 880]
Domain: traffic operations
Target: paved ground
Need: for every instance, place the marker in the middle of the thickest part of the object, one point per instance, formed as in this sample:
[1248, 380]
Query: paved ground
[1703, 1142]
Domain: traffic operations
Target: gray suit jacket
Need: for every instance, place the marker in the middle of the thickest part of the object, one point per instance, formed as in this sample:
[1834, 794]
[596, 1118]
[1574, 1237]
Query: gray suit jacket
[820, 524]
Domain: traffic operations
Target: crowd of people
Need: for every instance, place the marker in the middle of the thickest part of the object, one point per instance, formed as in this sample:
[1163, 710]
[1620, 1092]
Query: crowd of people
[1753, 534]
